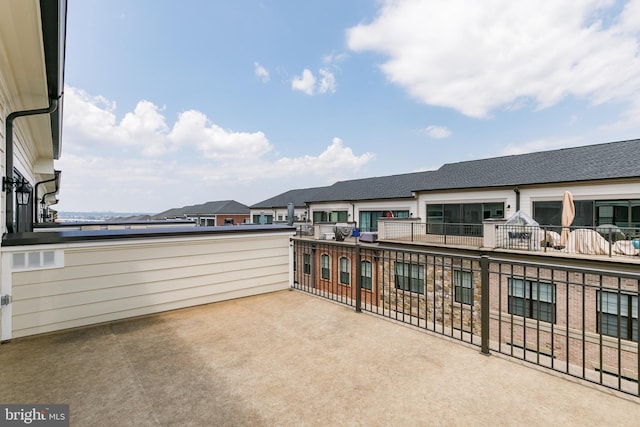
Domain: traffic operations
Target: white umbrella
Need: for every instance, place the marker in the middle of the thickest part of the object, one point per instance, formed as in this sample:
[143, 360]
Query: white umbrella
[568, 213]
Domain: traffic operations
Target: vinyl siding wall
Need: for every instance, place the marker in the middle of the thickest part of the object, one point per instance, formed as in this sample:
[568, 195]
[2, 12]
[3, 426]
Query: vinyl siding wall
[109, 281]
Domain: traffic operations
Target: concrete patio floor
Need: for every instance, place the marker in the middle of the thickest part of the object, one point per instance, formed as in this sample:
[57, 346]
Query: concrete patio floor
[289, 359]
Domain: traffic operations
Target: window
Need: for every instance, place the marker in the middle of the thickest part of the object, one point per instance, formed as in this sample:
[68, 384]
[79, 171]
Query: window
[268, 219]
[463, 286]
[365, 275]
[333, 216]
[325, 266]
[462, 219]
[369, 219]
[409, 277]
[307, 264]
[535, 300]
[622, 213]
[345, 270]
[614, 314]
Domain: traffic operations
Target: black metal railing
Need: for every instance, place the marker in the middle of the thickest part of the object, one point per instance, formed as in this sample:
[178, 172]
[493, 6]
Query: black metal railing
[579, 321]
[304, 230]
[607, 240]
[447, 234]
[567, 318]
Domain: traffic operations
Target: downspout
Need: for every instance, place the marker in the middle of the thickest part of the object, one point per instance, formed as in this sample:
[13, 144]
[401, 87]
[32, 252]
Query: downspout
[353, 213]
[53, 105]
[35, 193]
[43, 201]
[517, 191]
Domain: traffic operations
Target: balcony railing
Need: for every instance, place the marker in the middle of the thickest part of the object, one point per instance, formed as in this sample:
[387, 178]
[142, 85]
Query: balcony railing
[582, 322]
[606, 240]
[447, 234]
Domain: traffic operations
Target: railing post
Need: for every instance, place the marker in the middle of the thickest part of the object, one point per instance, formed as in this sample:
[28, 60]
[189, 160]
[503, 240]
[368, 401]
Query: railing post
[484, 304]
[358, 279]
[412, 231]
[313, 266]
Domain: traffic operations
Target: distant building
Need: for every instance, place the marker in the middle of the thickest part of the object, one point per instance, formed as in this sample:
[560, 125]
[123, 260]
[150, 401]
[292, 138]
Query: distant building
[603, 179]
[225, 212]
[276, 208]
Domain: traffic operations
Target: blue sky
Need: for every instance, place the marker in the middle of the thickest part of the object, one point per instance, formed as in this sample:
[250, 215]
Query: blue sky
[172, 103]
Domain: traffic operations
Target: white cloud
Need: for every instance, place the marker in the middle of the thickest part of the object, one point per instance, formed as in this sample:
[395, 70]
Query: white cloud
[146, 126]
[261, 72]
[90, 121]
[144, 164]
[193, 128]
[334, 57]
[306, 83]
[438, 132]
[336, 159]
[476, 57]
[327, 82]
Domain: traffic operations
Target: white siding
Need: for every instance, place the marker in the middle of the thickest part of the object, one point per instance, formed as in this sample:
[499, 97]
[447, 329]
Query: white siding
[387, 205]
[530, 194]
[609, 191]
[104, 282]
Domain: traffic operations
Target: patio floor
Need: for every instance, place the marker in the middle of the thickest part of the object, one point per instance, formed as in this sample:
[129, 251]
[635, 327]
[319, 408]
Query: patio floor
[290, 359]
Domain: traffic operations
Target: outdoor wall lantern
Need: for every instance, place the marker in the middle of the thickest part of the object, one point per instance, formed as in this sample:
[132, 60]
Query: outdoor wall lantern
[23, 191]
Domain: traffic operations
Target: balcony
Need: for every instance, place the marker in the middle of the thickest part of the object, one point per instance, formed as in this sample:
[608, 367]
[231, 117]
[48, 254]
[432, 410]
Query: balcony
[288, 358]
[195, 326]
[566, 315]
[604, 240]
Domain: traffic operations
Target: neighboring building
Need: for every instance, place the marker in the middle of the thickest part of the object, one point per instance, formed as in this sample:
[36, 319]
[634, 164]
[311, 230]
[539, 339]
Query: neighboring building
[580, 312]
[603, 178]
[364, 201]
[225, 212]
[276, 209]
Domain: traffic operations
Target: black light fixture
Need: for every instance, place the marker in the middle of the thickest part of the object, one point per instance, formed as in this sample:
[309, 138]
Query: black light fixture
[23, 190]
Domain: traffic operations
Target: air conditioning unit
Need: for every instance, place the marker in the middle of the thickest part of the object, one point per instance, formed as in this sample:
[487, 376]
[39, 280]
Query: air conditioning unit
[329, 236]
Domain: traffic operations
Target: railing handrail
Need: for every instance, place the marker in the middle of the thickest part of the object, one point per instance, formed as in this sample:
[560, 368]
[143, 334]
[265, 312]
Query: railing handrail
[471, 298]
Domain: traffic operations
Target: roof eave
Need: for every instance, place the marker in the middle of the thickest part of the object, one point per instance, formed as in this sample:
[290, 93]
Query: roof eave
[53, 15]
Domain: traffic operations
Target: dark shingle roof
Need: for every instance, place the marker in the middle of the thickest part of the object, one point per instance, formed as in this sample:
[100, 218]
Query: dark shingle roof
[224, 207]
[297, 197]
[382, 187]
[587, 163]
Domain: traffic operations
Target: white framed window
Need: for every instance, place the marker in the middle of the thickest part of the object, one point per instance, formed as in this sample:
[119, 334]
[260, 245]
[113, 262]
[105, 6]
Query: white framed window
[409, 277]
[463, 286]
[534, 300]
[307, 263]
[617, 315]
[325, 266]
[365, 275]
[345, 271]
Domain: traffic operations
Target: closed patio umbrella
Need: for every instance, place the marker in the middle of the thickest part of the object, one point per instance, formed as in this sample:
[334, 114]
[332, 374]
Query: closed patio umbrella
[568, 213]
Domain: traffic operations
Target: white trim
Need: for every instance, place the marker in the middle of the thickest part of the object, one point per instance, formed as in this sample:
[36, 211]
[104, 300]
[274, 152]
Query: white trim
[5, 289]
